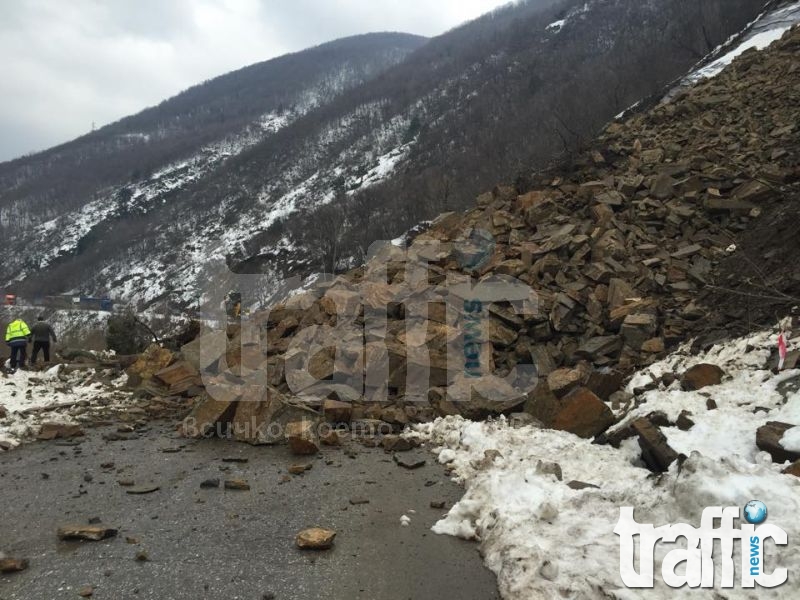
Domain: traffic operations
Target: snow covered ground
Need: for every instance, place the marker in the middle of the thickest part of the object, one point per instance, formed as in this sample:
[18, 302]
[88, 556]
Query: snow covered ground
[545, 539]
[32, 398]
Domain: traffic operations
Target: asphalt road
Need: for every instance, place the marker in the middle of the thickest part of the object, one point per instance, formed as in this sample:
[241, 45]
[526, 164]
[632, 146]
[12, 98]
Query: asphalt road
[223, 544]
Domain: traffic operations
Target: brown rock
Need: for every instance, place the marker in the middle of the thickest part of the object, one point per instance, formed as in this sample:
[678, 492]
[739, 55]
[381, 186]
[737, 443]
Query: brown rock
[653, 345]
[176, 373]
[768, 439]
[604, 383]
[637, 329]
[411, 463]
[3, 412]
[793, 469]
[753, 191]
[537, 207]
[656, 452]
[619, 293]
[315, 538]
[302, 438]
[299, 468]
[13, 565]
[52, 431]
[237, 484]
[562, 381]
[337, 412]
[142, 490]
[581, 485]
[583, 413]
[330, 437]
[151, 361]
[85, 532]
[263, 413]
[394, 415]
[395, 443]
[321, 363]
[208, 412]
[700, 376]
[684, 421]
[86, 591]
[499, 333]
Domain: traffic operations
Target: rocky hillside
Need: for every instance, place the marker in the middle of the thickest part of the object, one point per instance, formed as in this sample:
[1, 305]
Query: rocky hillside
[299, 164]
[544, 297]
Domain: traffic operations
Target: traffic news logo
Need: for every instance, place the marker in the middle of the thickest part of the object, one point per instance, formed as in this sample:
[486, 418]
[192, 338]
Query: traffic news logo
[698, 555]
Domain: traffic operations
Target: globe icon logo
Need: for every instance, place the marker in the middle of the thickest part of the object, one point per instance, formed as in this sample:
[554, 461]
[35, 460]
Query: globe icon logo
[755, 512]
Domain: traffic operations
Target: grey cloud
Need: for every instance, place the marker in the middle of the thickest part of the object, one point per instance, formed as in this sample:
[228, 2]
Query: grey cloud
[68, 64]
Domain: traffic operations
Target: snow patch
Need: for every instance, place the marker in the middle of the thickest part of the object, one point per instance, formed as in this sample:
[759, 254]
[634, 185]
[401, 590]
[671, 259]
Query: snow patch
[544, 539]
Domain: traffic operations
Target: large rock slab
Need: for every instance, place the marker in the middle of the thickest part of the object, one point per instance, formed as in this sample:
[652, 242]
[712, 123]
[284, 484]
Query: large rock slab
[205, 416]
[264, 416]
[583, 413]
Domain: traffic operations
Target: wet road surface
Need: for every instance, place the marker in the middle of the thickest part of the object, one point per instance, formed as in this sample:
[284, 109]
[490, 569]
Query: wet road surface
[217, 543]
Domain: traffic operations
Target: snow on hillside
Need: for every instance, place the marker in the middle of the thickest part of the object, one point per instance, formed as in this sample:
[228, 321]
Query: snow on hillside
[557, 26]
[768, 28]
[366, 162]
[545, 539]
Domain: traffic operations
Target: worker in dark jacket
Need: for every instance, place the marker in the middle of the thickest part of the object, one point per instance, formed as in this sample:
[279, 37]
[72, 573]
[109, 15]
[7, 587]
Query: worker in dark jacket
[41, 333]
[17, 336]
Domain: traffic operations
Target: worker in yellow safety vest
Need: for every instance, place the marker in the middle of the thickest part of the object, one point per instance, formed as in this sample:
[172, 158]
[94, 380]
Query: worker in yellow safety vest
[17, 336]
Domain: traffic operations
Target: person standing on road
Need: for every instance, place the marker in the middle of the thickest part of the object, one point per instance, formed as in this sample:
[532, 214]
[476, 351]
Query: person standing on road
[17, 336]
[42, 332]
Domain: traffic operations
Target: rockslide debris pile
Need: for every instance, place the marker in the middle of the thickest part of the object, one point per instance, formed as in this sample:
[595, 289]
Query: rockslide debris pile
[540, 299]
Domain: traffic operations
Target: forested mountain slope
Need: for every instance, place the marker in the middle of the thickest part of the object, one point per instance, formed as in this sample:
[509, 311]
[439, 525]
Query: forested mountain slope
[282, 169]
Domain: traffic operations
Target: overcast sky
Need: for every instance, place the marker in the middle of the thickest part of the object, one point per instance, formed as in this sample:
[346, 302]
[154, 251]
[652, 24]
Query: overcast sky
[67, 64]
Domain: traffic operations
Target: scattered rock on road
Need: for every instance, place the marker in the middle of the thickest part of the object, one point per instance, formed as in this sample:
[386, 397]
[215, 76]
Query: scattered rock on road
[85, 532]
[409, 462]
[12, 565]
[237, 484]
[315, 538]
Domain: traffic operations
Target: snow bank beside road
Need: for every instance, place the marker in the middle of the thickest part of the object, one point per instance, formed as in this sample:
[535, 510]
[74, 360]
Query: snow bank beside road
[31, 398]
[546, 536]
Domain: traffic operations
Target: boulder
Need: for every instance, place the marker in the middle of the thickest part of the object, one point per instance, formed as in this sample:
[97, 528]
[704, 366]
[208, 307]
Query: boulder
[499, 333]
[700, 376]
[619, 293]
[152, 360]
[206, 414]
[605, 382]
[656, 452]
[562, 381]
[583, 413]
[337, 412]
[768, 439]
[637, 329]
[178, 377]
[315, 538]
[203, 351]
[302, 437]
[263, 415]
